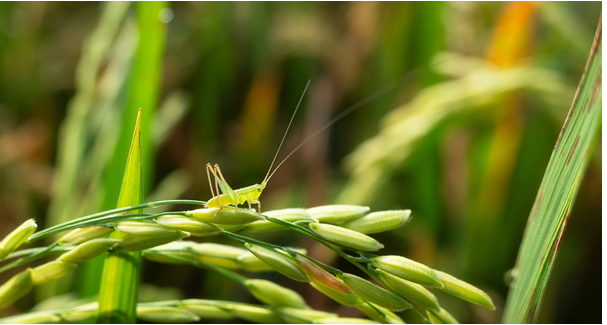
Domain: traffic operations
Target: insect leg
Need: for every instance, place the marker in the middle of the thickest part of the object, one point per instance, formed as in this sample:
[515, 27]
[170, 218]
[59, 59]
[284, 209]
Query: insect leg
[209, 169]
[258, 202]
[209, 172]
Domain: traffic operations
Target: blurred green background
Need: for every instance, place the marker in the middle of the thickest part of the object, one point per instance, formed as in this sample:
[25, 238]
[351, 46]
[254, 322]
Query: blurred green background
[462, 105]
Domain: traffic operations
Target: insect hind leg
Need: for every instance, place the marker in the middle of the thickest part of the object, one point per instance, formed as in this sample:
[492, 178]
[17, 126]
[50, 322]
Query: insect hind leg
[210, 171]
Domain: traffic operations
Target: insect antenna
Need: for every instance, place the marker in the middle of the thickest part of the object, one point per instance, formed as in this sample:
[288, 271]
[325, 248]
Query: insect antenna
[378, 93]
[268, 175]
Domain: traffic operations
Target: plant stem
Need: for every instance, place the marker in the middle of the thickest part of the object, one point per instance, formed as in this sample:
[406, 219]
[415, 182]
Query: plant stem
[35, 250]
[91, 217]
[38, 253]
[244, 239]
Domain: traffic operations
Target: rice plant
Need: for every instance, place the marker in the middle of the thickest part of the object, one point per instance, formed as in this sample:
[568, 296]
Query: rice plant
[127, 233]
[423, 223]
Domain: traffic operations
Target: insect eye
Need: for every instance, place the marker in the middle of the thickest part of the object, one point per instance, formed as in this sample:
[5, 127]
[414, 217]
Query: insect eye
[258, 189]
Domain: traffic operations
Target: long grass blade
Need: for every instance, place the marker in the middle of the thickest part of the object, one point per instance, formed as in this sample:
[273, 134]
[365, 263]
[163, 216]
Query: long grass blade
[555, 198]
[120, 278]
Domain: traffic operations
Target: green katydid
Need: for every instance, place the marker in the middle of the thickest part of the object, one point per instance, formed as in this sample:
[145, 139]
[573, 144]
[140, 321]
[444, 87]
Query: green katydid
[249, 194]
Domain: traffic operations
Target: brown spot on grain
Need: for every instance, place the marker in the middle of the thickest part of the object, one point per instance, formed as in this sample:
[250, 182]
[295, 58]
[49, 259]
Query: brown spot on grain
[321, 275]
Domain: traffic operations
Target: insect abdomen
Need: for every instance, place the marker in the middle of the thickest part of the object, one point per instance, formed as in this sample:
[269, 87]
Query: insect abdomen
[214, 202]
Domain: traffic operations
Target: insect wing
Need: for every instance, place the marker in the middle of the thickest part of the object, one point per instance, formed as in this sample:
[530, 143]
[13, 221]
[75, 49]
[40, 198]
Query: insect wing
[228, 191]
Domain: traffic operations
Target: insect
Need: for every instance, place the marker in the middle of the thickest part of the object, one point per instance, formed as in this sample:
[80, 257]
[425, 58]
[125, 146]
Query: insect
[249, 194]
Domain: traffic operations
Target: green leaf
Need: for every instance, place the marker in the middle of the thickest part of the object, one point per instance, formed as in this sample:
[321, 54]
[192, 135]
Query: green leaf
[120, 278]
[555, 198]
